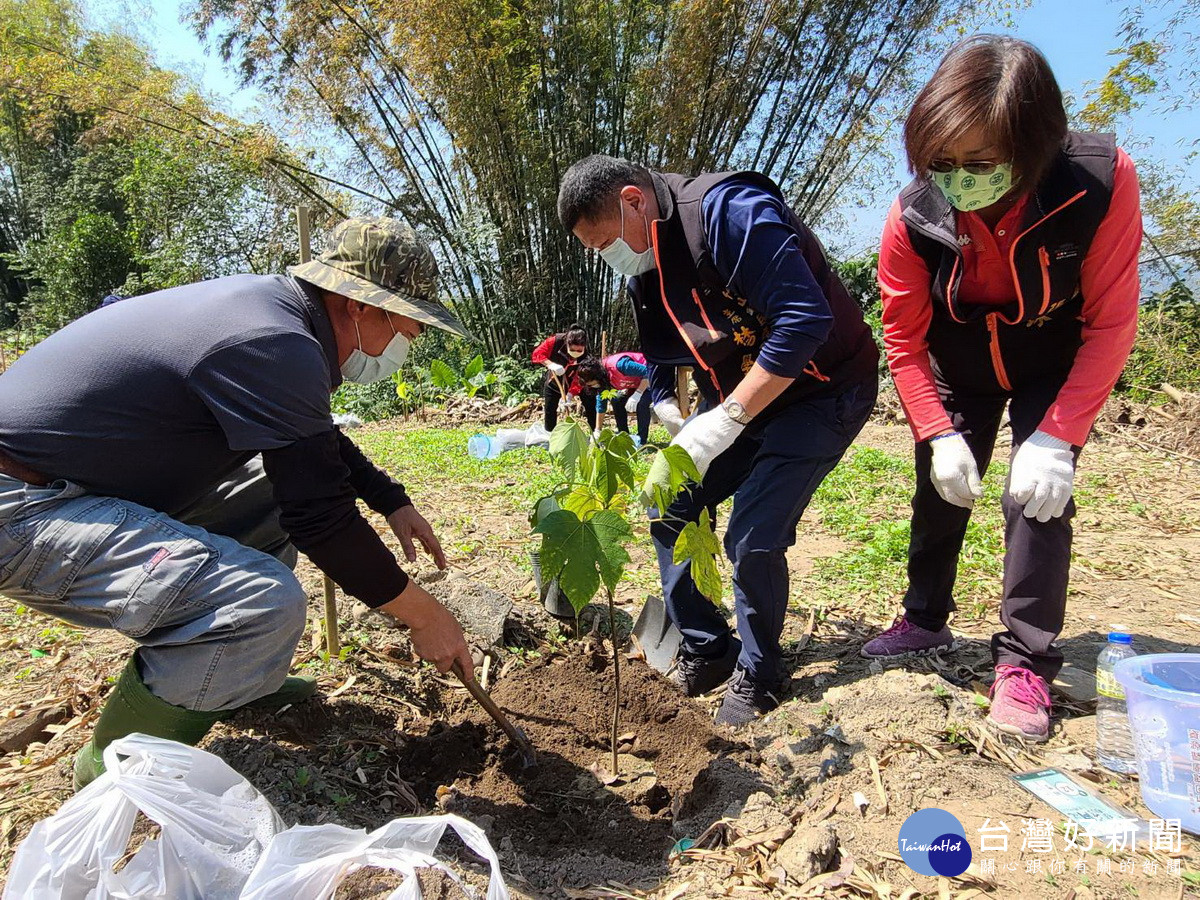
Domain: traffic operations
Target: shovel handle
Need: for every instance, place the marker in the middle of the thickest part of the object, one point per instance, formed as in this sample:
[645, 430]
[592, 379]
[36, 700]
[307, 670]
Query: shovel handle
[484, 699]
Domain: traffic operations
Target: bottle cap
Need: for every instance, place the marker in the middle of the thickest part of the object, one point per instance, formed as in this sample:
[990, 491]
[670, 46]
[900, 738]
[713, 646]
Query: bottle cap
[1119, 637]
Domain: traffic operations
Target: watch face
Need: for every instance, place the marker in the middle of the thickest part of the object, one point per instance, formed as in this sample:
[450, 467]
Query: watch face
[734, 409]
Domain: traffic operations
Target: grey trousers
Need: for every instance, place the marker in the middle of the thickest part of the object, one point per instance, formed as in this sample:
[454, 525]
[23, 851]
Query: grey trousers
[215, 612]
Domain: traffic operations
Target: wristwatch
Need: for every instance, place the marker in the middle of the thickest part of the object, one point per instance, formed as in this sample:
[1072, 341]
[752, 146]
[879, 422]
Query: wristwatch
[736, 411]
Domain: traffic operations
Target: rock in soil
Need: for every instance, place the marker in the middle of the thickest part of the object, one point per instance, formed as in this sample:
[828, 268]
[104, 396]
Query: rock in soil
[807, 852]
[19, 732]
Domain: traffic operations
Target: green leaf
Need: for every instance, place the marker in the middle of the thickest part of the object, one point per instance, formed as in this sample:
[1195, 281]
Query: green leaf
[37, 654]
[570, 446]
[612, 533]
[698, 545]
[671, 470]
[571, 553]
[543, 508]
[474, 368]
[402, 389]
[584, 554]
[614, 475]
[443, 376]
[582, 499]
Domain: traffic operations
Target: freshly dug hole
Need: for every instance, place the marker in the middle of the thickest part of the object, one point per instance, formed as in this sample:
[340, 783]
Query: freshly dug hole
[558, 820]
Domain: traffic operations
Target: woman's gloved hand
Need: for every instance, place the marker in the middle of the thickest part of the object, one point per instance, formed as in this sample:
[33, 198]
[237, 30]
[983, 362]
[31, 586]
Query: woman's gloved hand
[954, 473]
[1042, 476]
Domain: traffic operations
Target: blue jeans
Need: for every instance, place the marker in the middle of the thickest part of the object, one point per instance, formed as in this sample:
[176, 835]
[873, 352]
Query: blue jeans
[771, 471]
[216, 621]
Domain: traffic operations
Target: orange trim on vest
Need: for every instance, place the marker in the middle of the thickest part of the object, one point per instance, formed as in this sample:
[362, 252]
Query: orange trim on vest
[712, 332]
[1012, 263]
[662, 290]
[811, 369]
[997, 359]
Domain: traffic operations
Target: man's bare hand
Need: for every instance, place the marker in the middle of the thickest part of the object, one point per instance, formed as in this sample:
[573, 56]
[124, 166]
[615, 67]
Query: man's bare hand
[435, 633]
[409, 526]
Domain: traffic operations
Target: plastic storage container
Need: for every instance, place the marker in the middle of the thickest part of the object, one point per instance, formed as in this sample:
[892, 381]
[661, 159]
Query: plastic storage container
[1163, 694]
[1114, 741]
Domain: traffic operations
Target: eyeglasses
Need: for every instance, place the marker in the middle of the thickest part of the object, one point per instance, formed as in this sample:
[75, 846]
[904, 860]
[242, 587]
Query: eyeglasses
[975, 168]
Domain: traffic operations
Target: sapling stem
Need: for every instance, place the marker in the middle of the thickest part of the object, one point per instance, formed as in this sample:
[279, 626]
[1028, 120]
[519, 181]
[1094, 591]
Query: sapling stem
[616, 650]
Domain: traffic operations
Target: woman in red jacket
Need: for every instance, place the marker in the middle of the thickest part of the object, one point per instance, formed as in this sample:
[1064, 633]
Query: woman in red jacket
[1009, 276]
[560, 354]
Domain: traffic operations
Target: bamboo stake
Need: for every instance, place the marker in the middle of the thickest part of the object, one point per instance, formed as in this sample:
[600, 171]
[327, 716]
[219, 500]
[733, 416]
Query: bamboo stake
[333, 645]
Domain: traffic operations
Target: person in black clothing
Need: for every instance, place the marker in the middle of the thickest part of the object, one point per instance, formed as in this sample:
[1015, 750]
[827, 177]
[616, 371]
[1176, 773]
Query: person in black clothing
[560, 354]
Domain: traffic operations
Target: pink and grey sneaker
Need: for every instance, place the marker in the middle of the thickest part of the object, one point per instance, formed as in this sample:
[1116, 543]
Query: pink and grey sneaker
[906, 639]
[1020, 704]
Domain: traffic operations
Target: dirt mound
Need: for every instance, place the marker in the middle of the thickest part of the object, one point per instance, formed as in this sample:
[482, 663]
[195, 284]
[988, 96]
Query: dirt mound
[566, 820]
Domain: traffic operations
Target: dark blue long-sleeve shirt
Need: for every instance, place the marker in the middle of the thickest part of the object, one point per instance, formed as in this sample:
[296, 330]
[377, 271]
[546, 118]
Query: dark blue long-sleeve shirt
[759, 255]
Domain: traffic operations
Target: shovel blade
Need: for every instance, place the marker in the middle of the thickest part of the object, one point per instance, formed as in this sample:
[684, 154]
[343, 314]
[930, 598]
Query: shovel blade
[658, 638]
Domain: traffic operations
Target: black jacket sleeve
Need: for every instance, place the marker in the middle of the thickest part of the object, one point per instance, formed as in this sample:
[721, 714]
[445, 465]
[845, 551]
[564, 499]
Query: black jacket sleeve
[377, 489]
[318, 509]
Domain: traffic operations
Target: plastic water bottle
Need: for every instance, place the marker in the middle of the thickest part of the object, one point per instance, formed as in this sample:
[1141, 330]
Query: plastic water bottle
[1114, 741]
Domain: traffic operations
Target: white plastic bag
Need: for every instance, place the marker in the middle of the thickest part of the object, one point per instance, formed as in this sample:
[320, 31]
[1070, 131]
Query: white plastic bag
[308, 862]
[215, 826]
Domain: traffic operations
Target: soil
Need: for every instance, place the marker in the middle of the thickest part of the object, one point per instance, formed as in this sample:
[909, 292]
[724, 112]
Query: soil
[387, 738]
[560, 820]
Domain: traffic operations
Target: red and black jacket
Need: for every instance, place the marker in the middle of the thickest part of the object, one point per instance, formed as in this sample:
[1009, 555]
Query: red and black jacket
[1036, 335]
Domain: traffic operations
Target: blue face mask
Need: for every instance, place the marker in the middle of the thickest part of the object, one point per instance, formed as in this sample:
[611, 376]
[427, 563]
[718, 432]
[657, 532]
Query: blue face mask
[362, 368]
[624, 259]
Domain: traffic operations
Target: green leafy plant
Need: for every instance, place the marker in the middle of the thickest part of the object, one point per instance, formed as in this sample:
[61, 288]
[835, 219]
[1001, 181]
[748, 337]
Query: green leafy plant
[584, 529]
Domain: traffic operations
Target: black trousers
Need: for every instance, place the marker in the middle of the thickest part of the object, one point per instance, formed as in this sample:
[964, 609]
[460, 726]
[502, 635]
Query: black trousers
[645, 409]
[551, 395]
[1037, 555]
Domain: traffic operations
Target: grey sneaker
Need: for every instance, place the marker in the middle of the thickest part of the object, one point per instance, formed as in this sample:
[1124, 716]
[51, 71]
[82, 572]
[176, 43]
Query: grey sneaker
[906, 639]
[697, 675]
[747, 699]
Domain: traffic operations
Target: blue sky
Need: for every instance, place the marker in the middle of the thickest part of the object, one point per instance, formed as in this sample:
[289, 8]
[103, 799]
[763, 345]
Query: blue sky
[1075, 35]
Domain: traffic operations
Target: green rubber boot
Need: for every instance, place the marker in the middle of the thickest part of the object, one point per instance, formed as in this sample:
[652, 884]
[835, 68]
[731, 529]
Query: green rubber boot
[296, 689]
[132, 708]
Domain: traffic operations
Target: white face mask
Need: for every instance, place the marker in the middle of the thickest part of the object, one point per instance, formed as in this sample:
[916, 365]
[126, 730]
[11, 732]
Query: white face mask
[622, 257]
[362, 368]
[575, 354]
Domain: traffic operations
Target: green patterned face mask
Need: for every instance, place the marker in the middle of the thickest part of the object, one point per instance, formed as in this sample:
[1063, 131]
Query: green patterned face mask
[969, 192]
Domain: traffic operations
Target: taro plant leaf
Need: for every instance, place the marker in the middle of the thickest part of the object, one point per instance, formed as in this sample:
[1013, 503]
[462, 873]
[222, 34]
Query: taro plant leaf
[569, 445]
[570, 553]
[474, 368]
[442, 375]
[698, 545]
[671, 470]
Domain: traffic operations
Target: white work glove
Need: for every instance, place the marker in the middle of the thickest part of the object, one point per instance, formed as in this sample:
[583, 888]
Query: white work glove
[707, 436]
[954, 472]
[631, 404]
[1042, 476]
[668, 413]
[555, 368]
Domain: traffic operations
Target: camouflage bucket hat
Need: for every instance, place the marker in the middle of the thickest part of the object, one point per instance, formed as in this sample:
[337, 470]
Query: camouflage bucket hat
[382, 262]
